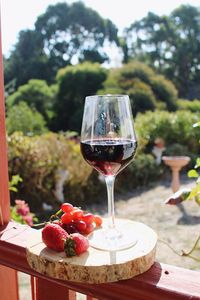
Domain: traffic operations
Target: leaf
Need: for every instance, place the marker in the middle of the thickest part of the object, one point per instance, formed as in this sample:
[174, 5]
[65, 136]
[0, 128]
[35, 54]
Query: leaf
[197, 163]
[13, 189]
[178, 197]
[194, 192]
[193, 174]
[196, 125]
[197, 199]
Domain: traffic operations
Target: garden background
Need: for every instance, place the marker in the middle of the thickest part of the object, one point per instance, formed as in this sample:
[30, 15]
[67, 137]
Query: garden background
[53, 67]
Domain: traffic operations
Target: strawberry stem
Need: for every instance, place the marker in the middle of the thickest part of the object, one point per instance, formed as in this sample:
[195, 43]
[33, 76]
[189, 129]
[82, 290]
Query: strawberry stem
[39, 225]
[57, 214]
[51, 219]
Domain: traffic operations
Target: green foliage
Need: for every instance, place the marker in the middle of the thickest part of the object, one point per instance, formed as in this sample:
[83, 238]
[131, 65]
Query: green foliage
[37, 160]
[193, 106]
[22, 118]
[172, 127]
[142, 97]
[176, 150]
[146, 89]
[164, 91]
[170, 44]
[194, 173]
[63, 35]
[27, 60]
[15, 180]
[141, 172]
[74, 84]
[38, 95]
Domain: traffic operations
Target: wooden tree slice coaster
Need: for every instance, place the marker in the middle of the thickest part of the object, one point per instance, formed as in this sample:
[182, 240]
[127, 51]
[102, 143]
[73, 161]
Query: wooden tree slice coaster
[96, 266]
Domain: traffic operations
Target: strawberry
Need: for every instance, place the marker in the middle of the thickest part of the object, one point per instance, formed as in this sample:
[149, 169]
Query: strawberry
[54, 237]
[76, 244]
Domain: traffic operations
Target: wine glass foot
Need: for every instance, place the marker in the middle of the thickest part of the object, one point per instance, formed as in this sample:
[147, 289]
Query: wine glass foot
[112, 239]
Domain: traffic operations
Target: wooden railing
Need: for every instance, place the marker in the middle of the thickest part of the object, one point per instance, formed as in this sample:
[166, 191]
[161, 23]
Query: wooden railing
[161, 282]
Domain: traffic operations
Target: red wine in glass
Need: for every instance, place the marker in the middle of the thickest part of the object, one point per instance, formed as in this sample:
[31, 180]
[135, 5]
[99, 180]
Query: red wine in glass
[108, 156]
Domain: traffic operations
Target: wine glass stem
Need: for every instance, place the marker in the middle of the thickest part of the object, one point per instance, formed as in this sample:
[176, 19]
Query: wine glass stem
[110, 180]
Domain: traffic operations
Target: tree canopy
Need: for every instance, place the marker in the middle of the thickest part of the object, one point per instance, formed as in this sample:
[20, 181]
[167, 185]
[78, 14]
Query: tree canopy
[74, 84]
[146, 89]
[63, 35]
[171, 44]
[24, 119]
[68, 34]
[37, 94]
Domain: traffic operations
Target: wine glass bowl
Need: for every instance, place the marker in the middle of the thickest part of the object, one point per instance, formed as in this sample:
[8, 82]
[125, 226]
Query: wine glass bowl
[108, 144]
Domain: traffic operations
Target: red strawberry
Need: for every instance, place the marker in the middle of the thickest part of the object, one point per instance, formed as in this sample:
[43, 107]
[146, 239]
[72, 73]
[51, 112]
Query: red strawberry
[76, 244]
[54, 237]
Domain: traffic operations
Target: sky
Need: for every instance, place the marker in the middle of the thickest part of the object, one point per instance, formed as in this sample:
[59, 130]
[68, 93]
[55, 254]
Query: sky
[17, 15]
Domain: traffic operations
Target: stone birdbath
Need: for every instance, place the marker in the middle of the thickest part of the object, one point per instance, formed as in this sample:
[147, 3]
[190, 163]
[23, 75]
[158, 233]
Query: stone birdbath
[176, 163]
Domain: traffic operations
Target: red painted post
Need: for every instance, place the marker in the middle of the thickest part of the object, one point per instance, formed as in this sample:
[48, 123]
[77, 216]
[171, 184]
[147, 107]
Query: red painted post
[8, 277]
[8, 284]
[47, 290]
[4, 192]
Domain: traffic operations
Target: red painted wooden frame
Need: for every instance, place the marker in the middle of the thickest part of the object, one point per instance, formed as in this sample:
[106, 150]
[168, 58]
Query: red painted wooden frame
[160, 282]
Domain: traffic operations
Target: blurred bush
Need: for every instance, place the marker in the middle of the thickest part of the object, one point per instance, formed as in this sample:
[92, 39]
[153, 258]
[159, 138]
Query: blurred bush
[176, 150]
[37, 95]
[141, 172]
[21, 117]
[37, 161]
[193, 106]
[146, 89]
[172, 127]
[74, 84]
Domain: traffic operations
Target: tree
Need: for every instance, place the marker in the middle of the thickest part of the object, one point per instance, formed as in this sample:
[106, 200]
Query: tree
[63, 35]
[22, 118]
[74, 84]
[171, 44]
[38, 95]
[27, 60]
[73, 32]
[146, 89]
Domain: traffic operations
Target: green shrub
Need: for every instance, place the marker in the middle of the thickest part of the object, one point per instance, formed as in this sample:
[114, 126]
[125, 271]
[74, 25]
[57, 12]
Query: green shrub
[142, 97]
[172, 127]
[22, 118]
[146, 89]
[74, 84]
[141, 172]
[164, 91]
[37, 95]
[37, 159]
[193, 106]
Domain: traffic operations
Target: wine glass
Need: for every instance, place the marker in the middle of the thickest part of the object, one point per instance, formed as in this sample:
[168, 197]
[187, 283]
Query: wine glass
[108, 144]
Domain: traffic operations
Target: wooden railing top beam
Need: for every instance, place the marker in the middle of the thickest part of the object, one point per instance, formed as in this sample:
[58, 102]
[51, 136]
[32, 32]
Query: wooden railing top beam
[160, 282]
